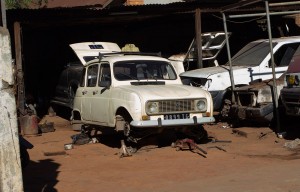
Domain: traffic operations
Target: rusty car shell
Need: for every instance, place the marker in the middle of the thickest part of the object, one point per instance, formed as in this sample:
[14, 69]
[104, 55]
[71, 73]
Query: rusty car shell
[254, 102]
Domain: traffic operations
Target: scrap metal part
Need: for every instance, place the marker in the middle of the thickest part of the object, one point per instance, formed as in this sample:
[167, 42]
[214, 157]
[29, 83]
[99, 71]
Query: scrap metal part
[240, 133]
[188, 144]
[217, 147]
[125, 151]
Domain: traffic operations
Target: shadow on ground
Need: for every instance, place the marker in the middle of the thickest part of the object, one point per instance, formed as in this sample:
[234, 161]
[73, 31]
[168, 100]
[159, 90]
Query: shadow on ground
[40, 176]
[290, 126]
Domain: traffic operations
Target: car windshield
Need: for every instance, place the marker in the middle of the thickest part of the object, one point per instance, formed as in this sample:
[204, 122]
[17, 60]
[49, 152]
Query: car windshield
[252, 54]
[143, 70]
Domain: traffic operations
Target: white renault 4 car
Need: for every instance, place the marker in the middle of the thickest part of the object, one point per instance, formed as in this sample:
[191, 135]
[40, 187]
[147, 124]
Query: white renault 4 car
[138, 95]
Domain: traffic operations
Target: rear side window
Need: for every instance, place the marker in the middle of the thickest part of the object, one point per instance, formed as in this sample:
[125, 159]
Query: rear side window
[92, 74]
[104, 73]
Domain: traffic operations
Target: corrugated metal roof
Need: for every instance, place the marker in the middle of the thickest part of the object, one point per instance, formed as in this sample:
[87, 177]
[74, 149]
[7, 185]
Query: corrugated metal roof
[117, 11]
[73, 3]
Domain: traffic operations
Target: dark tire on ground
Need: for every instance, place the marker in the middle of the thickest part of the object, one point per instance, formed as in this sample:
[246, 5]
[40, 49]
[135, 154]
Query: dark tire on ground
[225, 107]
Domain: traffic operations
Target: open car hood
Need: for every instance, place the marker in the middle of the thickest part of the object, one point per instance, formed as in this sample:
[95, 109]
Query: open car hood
[212, 43]
[87, 51]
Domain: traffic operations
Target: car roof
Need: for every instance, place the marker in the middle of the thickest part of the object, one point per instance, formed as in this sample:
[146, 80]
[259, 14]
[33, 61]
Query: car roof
[281, 39]
[120, 57]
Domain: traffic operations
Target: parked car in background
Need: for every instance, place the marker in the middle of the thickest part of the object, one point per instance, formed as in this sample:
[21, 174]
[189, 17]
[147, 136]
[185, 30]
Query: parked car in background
[290, 94]
[70, 76]
[138, 95]
[67, 85]
[252, 62]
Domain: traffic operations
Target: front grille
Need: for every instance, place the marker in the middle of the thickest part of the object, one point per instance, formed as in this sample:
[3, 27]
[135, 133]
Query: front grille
[184, 105]
[290, 99]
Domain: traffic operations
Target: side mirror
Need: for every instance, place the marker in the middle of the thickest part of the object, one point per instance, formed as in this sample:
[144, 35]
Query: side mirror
[105, 84]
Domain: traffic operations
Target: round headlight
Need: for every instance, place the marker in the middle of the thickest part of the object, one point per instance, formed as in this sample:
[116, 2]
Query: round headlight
[152, 107]
[201, 105]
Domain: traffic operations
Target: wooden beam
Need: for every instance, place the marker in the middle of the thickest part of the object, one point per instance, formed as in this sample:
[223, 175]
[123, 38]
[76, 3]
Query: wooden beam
[198, 38]
[19, 69]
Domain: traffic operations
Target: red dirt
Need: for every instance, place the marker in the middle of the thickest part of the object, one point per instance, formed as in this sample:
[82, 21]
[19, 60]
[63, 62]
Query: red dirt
[258, 162]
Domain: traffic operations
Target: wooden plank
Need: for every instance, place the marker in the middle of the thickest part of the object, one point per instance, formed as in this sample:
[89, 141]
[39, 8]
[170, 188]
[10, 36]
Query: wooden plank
[20, 79]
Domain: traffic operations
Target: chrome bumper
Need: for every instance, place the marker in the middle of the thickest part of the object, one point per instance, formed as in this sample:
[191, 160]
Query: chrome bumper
[173, 122]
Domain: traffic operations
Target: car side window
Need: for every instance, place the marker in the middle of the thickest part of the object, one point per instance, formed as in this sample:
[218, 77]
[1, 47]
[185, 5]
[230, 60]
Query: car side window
[284, 55]
[104, 73]
[92, 73]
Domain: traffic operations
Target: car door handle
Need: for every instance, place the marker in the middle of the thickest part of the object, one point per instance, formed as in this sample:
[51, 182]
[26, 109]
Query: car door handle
[84, 92]
[95, 92]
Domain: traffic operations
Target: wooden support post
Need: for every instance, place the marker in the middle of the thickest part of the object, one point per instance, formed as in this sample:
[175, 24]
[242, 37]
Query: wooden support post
[198, 38]
[10, 165]
[19, 69]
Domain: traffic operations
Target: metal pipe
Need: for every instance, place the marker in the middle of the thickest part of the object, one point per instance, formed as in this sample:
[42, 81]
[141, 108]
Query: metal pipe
[275, 96]
[284, 3]
[263, 14]
[239, 4]
[229, 57]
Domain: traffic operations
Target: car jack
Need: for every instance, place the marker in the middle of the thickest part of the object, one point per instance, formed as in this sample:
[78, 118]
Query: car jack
[186, 144]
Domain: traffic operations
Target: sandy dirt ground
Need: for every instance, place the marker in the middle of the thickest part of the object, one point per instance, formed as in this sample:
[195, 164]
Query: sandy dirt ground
[255, 160]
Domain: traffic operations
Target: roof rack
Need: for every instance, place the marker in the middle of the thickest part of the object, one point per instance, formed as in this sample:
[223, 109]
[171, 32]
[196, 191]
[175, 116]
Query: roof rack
[101, 55]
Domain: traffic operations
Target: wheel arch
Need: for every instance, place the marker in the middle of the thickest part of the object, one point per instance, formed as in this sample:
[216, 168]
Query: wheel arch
[122, 111]
[76, 115]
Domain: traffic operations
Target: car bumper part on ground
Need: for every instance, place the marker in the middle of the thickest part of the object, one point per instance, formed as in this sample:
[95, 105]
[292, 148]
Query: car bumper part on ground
[173, 122]
[252, 113]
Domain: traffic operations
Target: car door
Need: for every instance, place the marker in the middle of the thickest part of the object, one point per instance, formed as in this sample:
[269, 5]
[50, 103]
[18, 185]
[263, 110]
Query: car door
[88, 92]
[282, 57]
[100, 107]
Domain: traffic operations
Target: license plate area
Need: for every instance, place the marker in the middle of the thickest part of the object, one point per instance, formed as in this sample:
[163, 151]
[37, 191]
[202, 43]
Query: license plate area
[177, 116]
